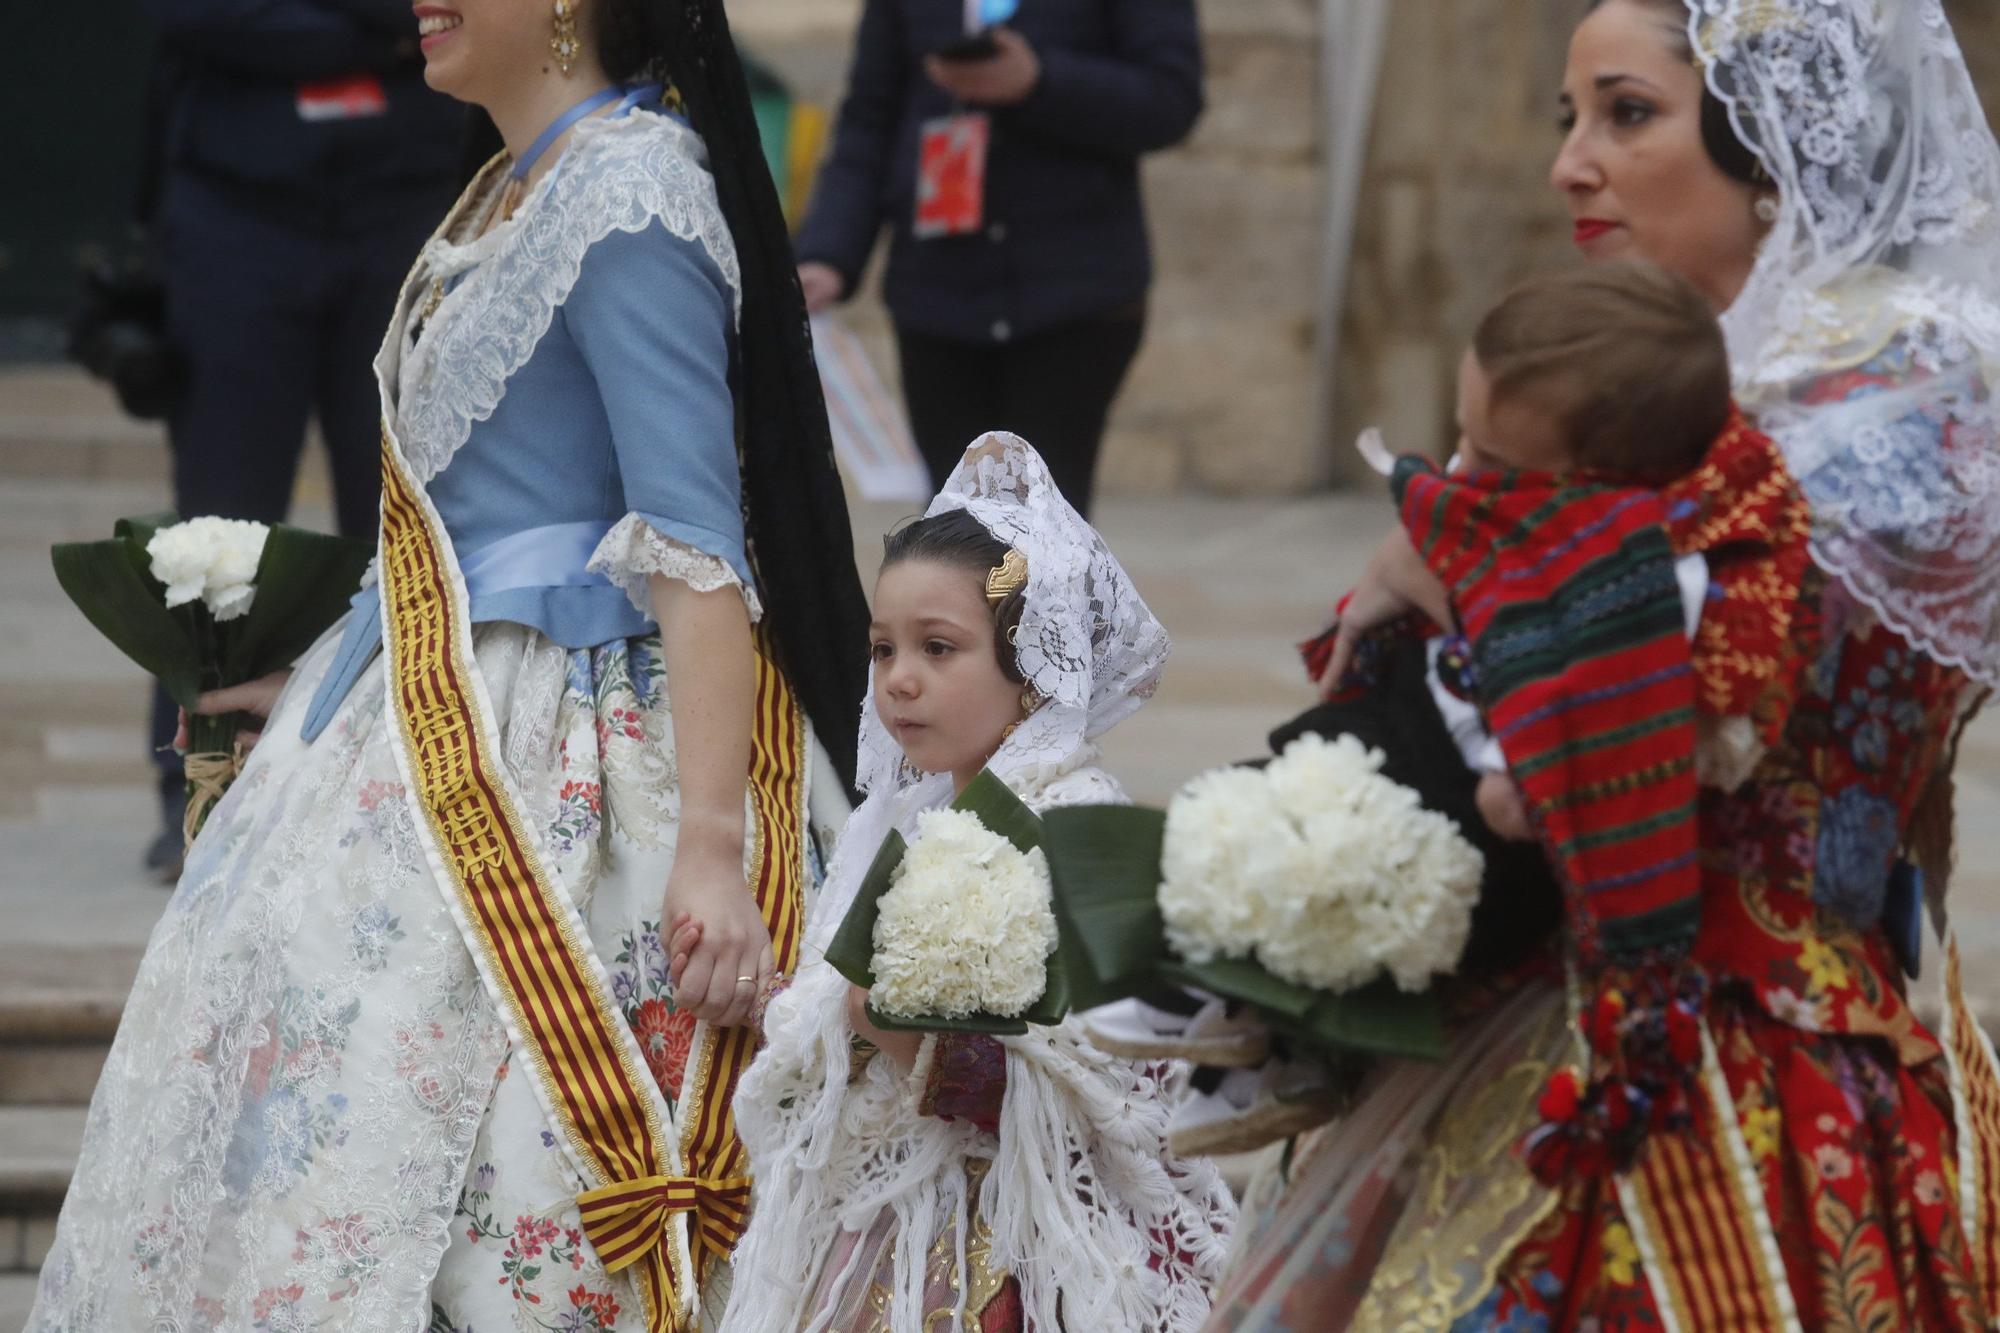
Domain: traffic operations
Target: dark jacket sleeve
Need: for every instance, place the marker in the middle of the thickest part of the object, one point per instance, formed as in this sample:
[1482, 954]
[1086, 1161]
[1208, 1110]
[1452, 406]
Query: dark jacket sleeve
[1143, 96]
[846, 212]
[287, 39]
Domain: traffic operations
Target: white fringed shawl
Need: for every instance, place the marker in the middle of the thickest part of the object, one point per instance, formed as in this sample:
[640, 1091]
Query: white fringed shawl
[1103, 1228]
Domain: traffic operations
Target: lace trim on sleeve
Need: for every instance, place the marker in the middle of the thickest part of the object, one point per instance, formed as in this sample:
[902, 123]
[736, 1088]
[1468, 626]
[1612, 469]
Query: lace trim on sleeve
[635, 550]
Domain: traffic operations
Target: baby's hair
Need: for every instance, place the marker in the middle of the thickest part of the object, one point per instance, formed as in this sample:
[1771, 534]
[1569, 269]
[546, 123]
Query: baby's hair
[1627, 355]
[955, 538]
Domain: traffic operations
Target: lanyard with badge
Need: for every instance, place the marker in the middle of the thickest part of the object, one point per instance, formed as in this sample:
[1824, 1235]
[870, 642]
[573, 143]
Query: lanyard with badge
[951, 150]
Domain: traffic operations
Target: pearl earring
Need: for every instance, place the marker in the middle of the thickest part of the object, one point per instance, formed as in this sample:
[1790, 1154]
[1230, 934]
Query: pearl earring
[1766, 208]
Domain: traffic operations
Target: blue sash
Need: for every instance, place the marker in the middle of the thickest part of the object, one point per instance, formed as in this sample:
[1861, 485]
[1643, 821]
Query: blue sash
[535, 578]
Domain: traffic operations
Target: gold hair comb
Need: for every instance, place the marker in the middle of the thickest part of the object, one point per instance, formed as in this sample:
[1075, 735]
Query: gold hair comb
[1754, 18]
[1008, 579]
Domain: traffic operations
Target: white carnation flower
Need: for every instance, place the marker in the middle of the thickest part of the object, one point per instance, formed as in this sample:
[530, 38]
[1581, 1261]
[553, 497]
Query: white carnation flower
[966, 926]
[214, 559]
[1328, 872]
[179, 560]
[1225, 842]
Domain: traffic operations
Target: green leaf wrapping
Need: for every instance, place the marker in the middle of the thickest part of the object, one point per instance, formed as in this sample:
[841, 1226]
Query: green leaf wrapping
[305, 581]
[1105, 861]
[852, 949]
[117, 594]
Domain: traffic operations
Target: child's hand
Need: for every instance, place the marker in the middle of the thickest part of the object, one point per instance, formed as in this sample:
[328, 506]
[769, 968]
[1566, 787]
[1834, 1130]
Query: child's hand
[686, 933]
[1395, 584]
[1501, 806]
[730, 961]
[902, 1047]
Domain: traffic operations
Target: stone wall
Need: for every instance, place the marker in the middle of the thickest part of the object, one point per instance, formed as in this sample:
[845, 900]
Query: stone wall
[1454, 208]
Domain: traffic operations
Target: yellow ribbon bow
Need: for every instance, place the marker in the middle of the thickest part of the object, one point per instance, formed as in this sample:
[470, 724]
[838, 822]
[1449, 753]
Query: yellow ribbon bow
[626, 1220]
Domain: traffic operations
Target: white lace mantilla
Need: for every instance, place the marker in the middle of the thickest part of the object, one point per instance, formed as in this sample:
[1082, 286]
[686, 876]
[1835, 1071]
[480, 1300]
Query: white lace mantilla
[621, 174]
[633, 551]
[1867, 339]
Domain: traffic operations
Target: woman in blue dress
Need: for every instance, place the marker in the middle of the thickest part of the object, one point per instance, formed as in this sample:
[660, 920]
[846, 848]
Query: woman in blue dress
[405, 1052]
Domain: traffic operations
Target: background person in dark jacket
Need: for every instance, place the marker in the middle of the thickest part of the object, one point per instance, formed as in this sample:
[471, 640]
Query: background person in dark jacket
[1029, 322]
[306, 163]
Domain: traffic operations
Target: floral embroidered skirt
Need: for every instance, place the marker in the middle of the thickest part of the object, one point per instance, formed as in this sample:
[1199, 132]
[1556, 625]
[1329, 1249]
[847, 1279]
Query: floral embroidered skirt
[1854, 1154]
[307, 1119]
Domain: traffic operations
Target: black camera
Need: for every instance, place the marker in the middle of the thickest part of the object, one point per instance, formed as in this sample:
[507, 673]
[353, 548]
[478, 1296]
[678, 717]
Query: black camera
[119, 335]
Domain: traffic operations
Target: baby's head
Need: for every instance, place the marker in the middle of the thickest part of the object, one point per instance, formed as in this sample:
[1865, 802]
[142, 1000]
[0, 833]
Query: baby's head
[1616, 368]
[947, 684]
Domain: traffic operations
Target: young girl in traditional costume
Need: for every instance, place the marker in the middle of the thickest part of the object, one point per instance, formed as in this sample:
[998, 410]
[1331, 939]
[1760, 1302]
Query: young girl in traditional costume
[404, 1052]
[961, 1182]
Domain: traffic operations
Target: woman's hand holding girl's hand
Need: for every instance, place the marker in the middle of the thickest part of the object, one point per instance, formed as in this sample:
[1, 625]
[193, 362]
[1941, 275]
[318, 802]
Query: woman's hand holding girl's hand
[902, 1047]
[256, 697]
[722, 952]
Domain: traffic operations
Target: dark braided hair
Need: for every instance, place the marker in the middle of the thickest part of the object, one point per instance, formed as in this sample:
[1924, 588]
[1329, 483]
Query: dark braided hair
[956, 539]
[795, 511]
[1719, 136]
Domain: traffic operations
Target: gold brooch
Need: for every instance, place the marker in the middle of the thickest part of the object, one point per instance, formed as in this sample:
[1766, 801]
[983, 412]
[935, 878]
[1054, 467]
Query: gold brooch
[1005, 581]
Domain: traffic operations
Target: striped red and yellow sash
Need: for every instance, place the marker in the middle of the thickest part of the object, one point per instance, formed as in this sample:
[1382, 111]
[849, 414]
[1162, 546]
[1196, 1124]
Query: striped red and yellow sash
[661, 1202]
[1698, 1214]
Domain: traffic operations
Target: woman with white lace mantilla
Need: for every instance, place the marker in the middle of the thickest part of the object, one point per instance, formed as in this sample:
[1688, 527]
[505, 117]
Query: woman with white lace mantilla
[407, 1051]
[1823, 172]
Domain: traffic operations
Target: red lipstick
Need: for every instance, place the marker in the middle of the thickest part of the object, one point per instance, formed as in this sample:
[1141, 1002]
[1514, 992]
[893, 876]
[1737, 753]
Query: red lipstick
[1589, 229]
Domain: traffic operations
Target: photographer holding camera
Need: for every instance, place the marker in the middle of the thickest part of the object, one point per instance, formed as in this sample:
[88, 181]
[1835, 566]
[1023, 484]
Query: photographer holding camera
[303, 163]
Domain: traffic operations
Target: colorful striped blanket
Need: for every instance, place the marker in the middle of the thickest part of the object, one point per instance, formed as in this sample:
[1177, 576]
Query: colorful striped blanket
[1566, 589]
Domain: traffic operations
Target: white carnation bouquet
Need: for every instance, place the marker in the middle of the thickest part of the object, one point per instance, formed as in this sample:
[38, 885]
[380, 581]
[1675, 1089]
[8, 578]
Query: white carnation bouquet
[967, 925]
[955, 928]
[209, 603]
[1324, 871]
[1315, 889]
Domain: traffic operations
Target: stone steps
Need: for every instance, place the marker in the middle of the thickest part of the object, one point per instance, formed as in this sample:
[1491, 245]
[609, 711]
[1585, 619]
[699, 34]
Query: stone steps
[59, 1010]
[38, 1151]
[56, 422]
[17, 1297]
[53, 1041]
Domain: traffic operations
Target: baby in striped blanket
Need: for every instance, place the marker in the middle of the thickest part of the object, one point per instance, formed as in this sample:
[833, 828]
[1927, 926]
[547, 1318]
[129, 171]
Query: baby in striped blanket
[1616, 373]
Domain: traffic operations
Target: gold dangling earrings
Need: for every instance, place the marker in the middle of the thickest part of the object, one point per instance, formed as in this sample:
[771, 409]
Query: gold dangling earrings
[1031, 699]
[563, 41]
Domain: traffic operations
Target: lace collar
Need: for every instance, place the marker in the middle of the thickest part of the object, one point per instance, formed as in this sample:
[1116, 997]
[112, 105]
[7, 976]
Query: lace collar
[615, 175]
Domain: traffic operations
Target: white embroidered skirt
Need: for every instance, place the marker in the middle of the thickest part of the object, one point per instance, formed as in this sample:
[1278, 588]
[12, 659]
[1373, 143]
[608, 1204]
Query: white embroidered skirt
[307, 1119]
